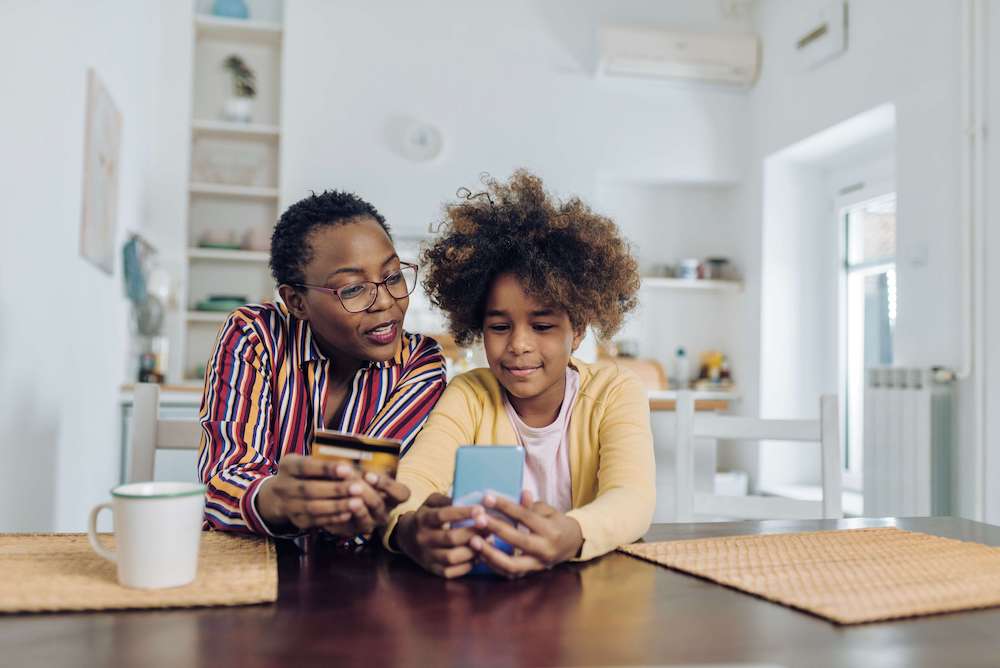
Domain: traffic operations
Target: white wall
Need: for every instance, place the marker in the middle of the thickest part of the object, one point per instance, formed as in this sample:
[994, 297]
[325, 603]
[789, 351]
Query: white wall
[798, 310]
[666, 223]
[990, 469]
[904, 52]
[63, 333]
[509, 84]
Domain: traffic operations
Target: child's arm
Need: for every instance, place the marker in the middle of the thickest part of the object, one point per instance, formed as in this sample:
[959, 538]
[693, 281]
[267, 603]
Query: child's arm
[420, 527]
[626, 492]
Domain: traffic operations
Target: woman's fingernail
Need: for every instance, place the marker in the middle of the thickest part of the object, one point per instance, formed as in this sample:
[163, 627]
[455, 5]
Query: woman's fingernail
[476, 543]
[354, 504]
[489, 500]
[371, 478]
[343, 470]
[481, 521]
[354, 489]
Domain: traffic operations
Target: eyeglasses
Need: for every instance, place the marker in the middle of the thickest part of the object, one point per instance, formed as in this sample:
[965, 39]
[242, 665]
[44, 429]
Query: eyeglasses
[358, 297]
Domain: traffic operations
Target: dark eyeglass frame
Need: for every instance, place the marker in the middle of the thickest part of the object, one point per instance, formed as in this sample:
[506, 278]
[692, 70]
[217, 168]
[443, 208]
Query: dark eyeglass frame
[372, 286]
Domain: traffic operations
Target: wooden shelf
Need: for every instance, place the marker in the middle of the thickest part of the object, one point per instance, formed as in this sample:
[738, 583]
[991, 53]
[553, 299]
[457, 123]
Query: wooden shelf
[217, 317]
[246, 192]
[216, 27]
[656, 282]
[234, 130]
[228, 255]
[704, 400]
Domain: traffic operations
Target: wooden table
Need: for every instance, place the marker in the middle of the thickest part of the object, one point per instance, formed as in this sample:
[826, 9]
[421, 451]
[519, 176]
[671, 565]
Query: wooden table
[338, 607]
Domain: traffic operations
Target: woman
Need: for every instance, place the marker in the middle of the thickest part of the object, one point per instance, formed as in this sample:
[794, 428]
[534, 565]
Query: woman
[334, 354]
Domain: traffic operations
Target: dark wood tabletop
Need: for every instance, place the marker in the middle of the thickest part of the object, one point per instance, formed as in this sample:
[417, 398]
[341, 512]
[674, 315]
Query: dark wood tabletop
[342, 607]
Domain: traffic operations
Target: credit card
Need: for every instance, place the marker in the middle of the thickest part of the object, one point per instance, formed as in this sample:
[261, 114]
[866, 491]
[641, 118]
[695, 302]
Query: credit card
[378, 455]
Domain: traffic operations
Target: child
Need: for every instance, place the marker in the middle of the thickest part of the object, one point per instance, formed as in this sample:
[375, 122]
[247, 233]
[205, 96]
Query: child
[529, 274]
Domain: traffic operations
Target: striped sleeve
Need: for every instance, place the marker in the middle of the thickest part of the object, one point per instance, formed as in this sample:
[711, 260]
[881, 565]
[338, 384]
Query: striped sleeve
[421, 382]
[235, 457]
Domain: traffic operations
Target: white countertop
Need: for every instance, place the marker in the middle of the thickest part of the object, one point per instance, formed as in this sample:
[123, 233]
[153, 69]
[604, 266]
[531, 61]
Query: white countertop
[717, 395]
[191, 395]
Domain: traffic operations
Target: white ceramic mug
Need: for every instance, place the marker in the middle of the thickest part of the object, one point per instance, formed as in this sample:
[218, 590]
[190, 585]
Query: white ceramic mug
[157, 532]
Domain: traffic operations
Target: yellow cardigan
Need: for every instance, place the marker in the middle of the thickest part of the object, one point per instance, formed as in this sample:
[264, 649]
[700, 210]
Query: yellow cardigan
[612, 472]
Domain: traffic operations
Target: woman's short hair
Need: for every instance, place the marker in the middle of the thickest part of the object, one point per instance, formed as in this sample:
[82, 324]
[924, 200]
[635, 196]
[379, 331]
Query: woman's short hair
[290, 249]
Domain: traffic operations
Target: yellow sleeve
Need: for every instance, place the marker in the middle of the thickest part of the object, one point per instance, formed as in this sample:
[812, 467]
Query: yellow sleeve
[429, 464]
[626, 489]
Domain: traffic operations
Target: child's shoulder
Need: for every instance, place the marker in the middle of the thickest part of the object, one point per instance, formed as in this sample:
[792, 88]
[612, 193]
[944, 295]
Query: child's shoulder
[479, 381]
[599, 378]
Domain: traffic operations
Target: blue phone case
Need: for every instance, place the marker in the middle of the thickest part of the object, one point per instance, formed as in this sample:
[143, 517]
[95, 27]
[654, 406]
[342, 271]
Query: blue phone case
[494, 468]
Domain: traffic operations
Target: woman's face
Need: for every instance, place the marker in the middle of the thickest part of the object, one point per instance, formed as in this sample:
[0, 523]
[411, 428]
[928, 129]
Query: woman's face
[528, 344]
[342, 255]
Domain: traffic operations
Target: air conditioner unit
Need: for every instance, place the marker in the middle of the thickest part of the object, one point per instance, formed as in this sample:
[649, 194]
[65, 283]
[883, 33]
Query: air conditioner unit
[720, 58]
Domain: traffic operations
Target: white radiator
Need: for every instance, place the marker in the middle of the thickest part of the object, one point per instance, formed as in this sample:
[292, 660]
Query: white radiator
[908, 428]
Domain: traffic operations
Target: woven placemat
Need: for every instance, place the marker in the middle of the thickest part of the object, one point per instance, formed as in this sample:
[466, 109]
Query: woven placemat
[53, 572]
[850, 576]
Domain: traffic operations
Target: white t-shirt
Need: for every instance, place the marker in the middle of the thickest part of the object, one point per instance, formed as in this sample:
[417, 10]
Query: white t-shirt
[546, 450]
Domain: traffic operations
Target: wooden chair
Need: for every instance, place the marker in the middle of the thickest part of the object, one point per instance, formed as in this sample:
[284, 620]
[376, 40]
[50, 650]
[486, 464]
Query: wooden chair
[151, 433]
[692, 425]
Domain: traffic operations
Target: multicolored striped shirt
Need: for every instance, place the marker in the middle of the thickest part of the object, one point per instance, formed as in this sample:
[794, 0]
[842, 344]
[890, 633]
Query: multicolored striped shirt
[265, 394]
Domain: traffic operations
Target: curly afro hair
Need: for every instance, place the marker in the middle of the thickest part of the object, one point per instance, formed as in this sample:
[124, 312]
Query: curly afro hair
[290, 248]
[563, 253]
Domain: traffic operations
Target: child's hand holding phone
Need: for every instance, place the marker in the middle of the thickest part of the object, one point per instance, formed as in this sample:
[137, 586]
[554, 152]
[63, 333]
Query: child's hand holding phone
[551, 537]
[438, 535]
[430, 535]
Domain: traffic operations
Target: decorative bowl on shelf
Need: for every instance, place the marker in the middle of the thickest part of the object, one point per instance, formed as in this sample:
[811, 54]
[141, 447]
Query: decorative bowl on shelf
[231, 9]
[220, 239]
[221, 303]
[219, 246]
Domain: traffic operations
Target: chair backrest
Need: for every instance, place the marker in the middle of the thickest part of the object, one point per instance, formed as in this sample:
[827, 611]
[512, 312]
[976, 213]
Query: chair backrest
[692, 425]
[150, 433]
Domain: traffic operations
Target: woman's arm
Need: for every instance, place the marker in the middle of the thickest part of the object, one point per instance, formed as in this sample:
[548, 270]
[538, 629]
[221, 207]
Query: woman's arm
[419, 388]
[236, 454]
[238, 459]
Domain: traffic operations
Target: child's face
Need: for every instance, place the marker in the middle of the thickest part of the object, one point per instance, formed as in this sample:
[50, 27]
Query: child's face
[528, 343]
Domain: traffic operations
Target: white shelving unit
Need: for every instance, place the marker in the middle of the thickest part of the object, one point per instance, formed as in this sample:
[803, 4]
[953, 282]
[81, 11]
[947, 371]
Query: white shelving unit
[660, 283]
[230, 129]
[224, 255]
[234, 181]
[224, 190]
[237, 30]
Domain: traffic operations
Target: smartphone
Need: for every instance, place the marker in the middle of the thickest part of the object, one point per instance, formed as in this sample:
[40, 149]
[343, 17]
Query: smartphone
[378, 455]
[498, 469]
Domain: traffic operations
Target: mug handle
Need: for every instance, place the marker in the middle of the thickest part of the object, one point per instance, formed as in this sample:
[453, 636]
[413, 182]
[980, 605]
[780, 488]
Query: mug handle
[92, 532]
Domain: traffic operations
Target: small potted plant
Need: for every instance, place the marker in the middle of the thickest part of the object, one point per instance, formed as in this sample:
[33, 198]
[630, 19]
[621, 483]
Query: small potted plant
[239, 107]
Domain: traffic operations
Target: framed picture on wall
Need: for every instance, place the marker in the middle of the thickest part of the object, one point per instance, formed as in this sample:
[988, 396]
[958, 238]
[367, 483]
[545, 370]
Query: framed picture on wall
[101, 163]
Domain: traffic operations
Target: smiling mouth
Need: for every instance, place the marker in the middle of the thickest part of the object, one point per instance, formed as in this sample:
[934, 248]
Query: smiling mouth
[383, 334]
[521, 372]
